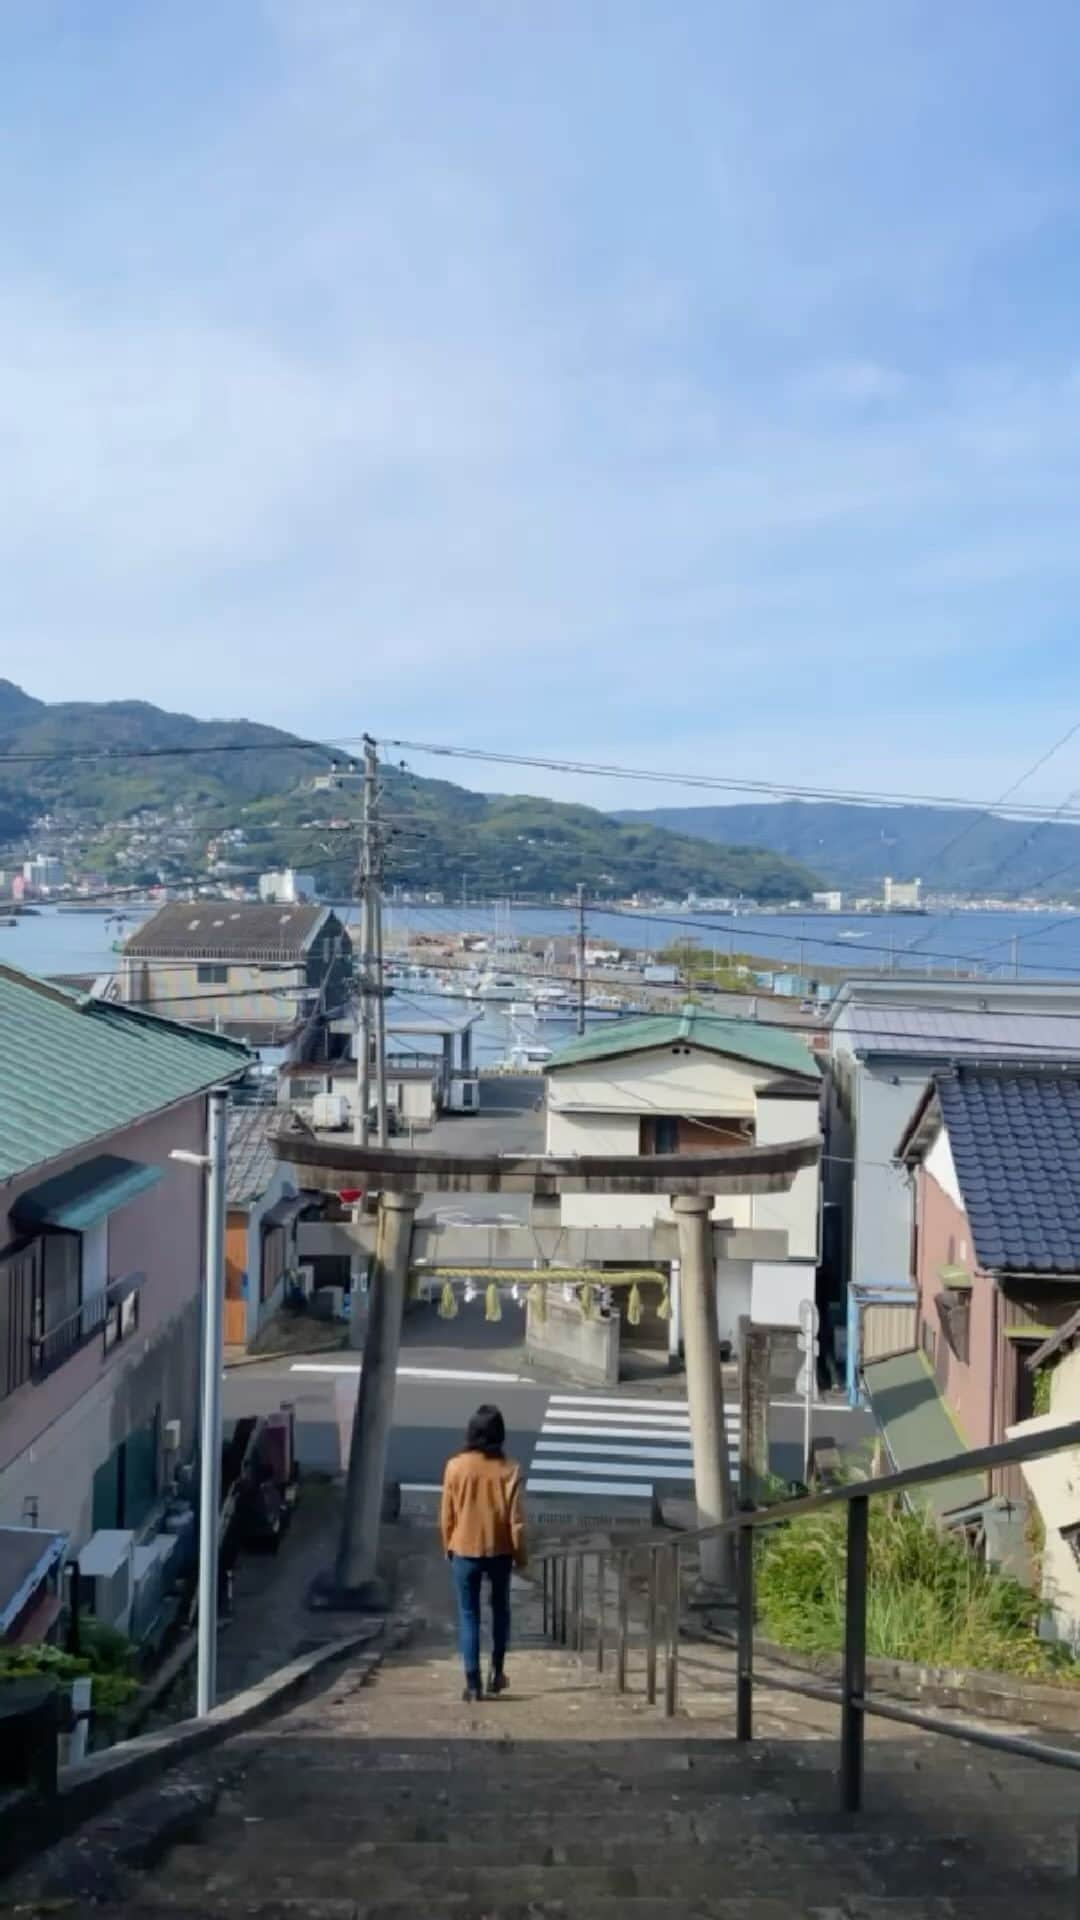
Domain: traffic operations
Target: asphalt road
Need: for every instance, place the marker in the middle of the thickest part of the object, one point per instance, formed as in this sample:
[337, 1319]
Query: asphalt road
[564, 1438]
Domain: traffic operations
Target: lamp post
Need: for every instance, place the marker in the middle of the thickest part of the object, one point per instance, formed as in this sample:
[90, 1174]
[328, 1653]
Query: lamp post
[213, 1161]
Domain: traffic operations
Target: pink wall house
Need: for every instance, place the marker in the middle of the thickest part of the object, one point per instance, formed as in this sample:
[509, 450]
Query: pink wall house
[996, 1237]
[101, 1254]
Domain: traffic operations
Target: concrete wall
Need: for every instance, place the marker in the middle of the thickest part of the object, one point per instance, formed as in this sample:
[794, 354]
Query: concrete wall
[250, 993]
[54, 1434]
[582, 1350]
[691, 1080]
[885, 1099]
[282, 1185]
[796, 1212]
[778, 1289]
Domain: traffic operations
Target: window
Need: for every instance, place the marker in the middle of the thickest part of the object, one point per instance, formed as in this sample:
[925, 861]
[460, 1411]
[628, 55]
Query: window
[20, 1284]
[211, 976]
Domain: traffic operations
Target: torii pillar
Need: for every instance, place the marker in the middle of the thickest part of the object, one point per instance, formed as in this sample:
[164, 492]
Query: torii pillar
[704, 1383]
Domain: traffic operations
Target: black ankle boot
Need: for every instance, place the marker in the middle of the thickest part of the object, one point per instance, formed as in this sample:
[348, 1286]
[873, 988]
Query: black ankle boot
[473, 1689]
[497, 1682]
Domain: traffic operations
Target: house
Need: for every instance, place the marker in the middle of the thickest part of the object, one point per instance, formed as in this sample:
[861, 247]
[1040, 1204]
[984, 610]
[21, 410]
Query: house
[992, 1152]
[263, 973]
[262, 1208]
[101, 1253]
[693, 1083]
[886, 1036]
[1054, 1482]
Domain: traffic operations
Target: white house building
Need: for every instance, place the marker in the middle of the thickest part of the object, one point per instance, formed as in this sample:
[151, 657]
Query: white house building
[886, 1037]
[692, 1083]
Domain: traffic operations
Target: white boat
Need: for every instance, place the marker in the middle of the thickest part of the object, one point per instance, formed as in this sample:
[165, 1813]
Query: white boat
[491, 985]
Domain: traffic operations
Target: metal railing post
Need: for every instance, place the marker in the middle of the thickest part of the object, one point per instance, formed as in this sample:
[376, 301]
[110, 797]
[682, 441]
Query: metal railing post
[601, 1612]
[624, 1622]
[854, 1684]
[671, 1623]
[744, 1683]
[579, 1604]
[650, 1631]
[545, 1578]
[564, 1578]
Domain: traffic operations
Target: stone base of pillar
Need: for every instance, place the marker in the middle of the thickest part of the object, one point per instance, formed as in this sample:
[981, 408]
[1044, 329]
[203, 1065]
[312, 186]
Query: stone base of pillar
[324, 1595]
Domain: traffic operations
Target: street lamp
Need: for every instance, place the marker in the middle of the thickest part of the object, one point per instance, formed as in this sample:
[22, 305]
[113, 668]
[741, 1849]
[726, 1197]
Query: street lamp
[213, 1163]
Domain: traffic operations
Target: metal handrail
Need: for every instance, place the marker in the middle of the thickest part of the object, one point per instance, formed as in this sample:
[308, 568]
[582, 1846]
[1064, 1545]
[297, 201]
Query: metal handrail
[564, 1615]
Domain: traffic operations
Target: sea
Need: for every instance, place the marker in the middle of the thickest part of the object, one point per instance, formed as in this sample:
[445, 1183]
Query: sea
[1003, 944]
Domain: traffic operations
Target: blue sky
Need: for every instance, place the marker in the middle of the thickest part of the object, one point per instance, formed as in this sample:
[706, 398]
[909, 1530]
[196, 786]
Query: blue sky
[692, 385]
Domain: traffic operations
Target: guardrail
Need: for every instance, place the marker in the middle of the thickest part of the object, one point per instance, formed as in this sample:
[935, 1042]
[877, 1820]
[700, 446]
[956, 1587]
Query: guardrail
[565, 1615]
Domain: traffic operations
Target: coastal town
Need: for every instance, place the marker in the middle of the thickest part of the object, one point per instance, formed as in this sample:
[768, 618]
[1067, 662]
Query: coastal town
[539, 962]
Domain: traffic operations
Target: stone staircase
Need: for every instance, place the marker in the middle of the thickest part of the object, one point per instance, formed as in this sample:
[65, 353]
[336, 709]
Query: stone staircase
[386, 1798]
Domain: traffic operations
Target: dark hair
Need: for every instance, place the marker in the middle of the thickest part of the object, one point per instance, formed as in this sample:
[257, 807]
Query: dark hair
[486, 1431]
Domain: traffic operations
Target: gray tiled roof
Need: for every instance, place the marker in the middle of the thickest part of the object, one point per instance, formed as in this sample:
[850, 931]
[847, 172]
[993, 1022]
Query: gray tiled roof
[227, 930]
[1015, 1140]
[962, 1032]
[251, 1163]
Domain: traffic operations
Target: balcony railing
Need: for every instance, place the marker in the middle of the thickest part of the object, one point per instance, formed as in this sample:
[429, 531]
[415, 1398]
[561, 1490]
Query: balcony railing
[111, 1315]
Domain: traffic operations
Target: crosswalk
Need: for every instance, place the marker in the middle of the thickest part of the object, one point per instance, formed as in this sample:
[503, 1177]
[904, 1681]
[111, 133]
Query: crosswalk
[615, 1445]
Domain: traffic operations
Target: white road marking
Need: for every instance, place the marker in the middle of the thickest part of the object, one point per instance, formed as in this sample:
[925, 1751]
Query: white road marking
[628, 1453]
[655, 1405]
[416, 1373]
[585, 1486]
[601, 1443]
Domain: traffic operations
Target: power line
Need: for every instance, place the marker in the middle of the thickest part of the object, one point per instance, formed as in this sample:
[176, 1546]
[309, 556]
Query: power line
[117, 756]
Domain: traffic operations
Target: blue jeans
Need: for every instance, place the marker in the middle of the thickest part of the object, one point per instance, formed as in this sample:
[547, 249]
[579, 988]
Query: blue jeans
[468, 1575]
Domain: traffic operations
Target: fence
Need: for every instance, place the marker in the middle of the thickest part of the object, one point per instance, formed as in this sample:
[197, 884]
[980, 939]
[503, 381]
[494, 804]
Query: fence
[563, 1573]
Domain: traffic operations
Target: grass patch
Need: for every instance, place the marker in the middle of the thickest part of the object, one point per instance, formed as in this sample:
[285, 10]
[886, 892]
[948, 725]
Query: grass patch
[931, 1600]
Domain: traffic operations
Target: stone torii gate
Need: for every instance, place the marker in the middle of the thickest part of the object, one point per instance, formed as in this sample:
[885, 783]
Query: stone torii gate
[693, 1182]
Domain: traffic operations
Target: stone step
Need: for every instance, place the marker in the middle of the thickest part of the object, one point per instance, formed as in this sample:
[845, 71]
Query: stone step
[766, 1867]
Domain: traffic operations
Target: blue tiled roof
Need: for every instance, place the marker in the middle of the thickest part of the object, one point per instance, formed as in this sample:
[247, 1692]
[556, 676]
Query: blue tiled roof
[1015, 1140]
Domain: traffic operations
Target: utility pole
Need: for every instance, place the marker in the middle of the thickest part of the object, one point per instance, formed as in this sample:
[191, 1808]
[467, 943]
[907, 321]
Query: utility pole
[372, 1022]
[581, 956]
[1015, 946]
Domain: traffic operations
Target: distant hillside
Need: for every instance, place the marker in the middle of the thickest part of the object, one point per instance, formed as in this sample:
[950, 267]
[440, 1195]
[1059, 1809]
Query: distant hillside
[443, 836]
[857, 846]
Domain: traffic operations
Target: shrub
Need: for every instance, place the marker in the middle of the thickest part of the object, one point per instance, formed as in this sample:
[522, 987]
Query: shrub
[931, 1600]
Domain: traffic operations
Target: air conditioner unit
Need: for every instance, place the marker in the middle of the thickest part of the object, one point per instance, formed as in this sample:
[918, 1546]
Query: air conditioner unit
[107, 1576]
[305, 1280]
[464, 1095]
[171, 1434]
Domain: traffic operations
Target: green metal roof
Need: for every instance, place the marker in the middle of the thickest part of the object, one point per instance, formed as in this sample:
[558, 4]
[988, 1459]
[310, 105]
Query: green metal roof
[917, 1428]
[743, 1039]
[73, 1070]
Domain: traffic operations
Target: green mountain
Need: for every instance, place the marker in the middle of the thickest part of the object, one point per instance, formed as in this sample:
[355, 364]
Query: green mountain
[951, 850]
[135, 792]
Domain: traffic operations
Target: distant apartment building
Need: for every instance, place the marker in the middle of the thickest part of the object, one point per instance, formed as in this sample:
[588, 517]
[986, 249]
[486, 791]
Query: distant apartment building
[831, 901]
[287, 887]
[261, 973]
[902, 895]
[101, 1254]
[43, 872]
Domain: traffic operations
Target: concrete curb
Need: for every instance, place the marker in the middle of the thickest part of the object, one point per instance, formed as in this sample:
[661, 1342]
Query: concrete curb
[240, 1360]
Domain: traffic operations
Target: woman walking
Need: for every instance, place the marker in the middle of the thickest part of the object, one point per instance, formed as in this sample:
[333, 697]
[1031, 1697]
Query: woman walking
[483, 1534]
